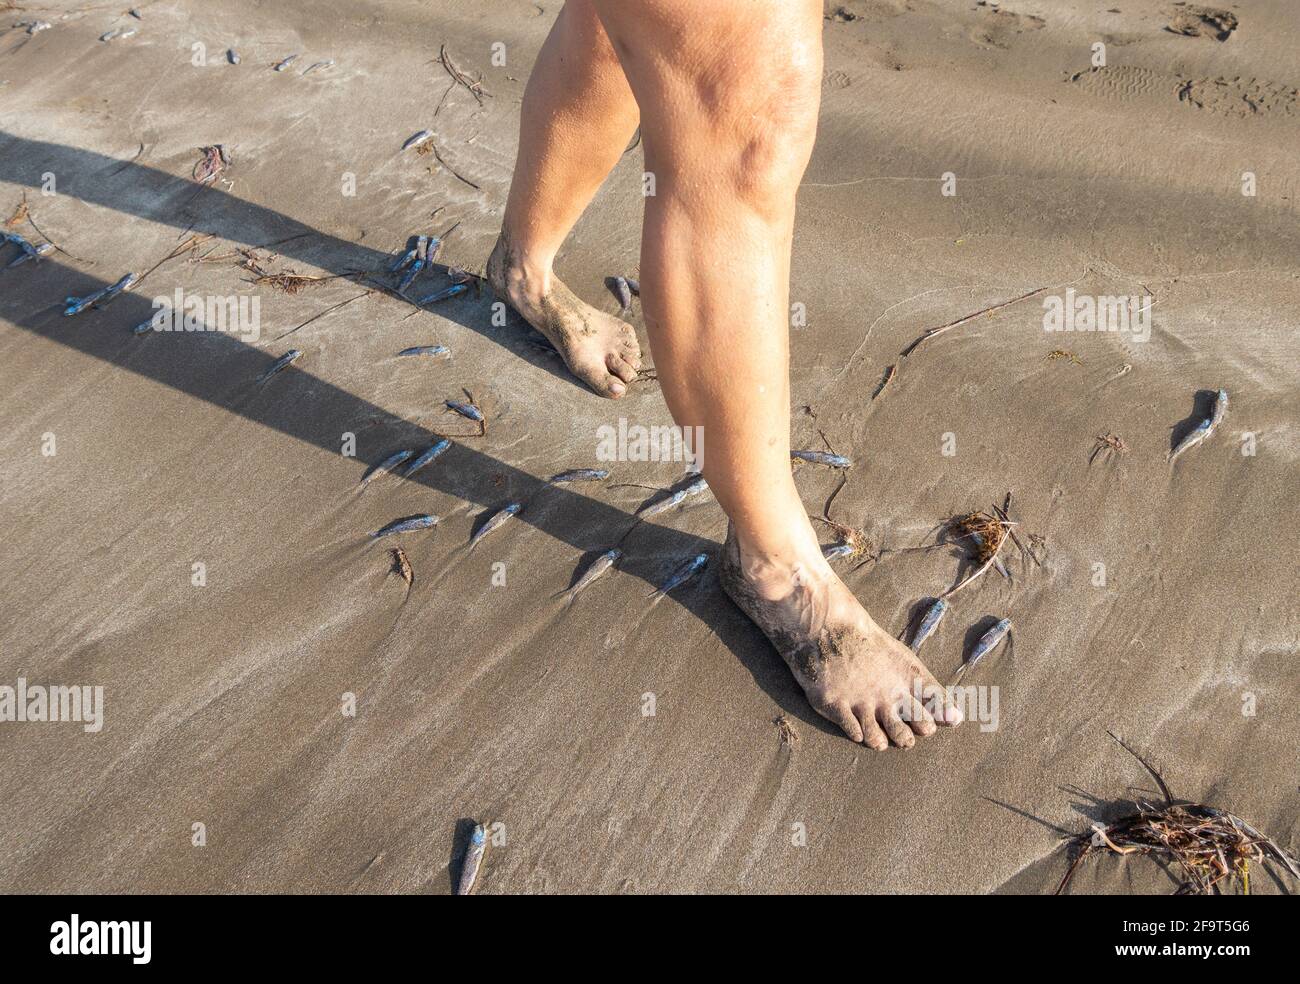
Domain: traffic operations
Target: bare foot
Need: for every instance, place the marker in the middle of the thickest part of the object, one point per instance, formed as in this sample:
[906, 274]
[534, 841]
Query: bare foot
[598, 348]
[854, 673]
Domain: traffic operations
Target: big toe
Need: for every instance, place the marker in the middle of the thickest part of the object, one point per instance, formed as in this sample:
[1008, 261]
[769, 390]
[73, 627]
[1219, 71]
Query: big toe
[620, 367]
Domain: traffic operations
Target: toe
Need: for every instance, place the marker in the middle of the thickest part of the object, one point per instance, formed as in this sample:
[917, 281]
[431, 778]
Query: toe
[873, 736]
[938, 700]
[620, 368]
[840, 715]
[899, 733]
[917, 717]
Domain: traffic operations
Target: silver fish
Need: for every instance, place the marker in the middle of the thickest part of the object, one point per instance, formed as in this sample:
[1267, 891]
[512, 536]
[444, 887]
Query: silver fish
[281, 363]
[444, 294]
[624, 291]
[634, 286]
[143, 327]
[405, 260]
[286, 63]
[430, 350]
[678, 497]
[122, 33]
[929, 622]
[385, 466]
[988, 642]
[1220, 409]
[126, 283]
[408, 525]
[1205, 428]
[30, 252]
[837, 550]
[822, 458]
[75, 305]
[682, 575]
[495, 523]
[466, 410]
[473, 860]
[232, 56]
[35, 27]
[321, 65]
[136, 13]
[426, 457]
[579, 475]
[598, 567]
[421, 138]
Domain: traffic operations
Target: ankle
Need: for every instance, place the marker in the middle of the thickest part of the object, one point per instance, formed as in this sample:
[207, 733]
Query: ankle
[522, 272]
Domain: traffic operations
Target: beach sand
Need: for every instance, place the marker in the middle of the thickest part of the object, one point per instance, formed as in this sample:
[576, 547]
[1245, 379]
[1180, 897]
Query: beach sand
[478, 695]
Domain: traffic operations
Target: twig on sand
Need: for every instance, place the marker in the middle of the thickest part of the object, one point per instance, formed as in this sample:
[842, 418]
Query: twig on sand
[454, 172]
[970, 317]
[193, 243]
[475, 87]
[328, 310]
[890, 373]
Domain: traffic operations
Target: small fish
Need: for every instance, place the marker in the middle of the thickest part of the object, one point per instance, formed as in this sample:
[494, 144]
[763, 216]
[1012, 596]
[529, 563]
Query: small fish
[402, 565]
[1220, 409]
[624, 292]
[495, 523]
[28, 251]
[419, 140]
[75, 305]
[408, 525]
[633, 285]
[473, 860]
[430, 350]
[385, 466]
[929, 622]
[134, 12]
[405, 260]
[598, 567]
[835, 551]
[320, 65]
[143, 327]
[682, 575]
[426, 457]
[283, 362]
[1205, 428]
[988, 642]
[678, 497]
[126, 283]
[579, 475]
[444, 294]
[466, 410]
[823, 458]
[232, 56]
[35, 27]
[286, 63]
[122, 33]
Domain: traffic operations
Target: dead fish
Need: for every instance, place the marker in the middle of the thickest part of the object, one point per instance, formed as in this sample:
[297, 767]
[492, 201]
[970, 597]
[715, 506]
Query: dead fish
[26, 251]
[495, 523]
[929, 622]
[1205, 428]
[426, 457]
[320, 65]
[232, 56]
[473, 860]
[134, 12]
[599, 566]
[143, 327]
[402, 565]
[286, 63]
[682, 575]
[836, 551]
[419, 140]
[823, 458]
[126, 283]
[403, 261]
[75, 305]
[384, 467]
[430, 350]
[678, 497]
[444, 294]
[579, 475]
[466, 410]
[633, 285]
[1220, 409]
[426, 247]
[35, 27]
[283, 362]
[122, 33]
[623, 290]
[988, 642]
[421, 521]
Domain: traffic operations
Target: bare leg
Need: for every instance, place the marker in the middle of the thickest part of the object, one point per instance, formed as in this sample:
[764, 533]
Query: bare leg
[729, 94]
[578, 116]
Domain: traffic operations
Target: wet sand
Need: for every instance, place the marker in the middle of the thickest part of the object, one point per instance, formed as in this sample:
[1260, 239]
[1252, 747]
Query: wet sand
[475, 699]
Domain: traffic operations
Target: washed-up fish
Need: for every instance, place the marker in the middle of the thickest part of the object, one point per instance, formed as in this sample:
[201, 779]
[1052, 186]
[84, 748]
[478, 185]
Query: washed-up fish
[35, 27]
[444, 294]
[122, 33]
[26, 250]
[426, 457]
[430, 350]
[286, 63]
[405, 260]
[421, 138]
[929, 622]
[822, 458]
[678, 497]
[624, 291]
[136, 13]
[416, 263]
[837, 550]
[385, 466]
[473, 860]
[283, 362]
[598, 567]
[466, 410]
[1205, 428]
[579, 475]
[495, 523]
[634, 286]
[126, 283]
[682, 575]
[410, 524]
[319, 66]
[232, 56]
[75, 305]
[988, 642]
[143, 327]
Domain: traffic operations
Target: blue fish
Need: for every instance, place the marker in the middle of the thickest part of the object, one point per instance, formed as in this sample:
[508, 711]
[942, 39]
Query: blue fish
[430, 350]
[579, 475]
[281, 363]
[408, 525]
[426, 457]
[495, 522]
[822, 458]
[929, 622]
[682, 575]
[473, 859]
[466, 410]
[385, 466]
[444, 294]
[598, 567]
[988, 642]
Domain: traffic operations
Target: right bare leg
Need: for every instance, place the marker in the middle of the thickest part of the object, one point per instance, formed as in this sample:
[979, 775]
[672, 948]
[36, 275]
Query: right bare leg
[577, 118]
[729, 93]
